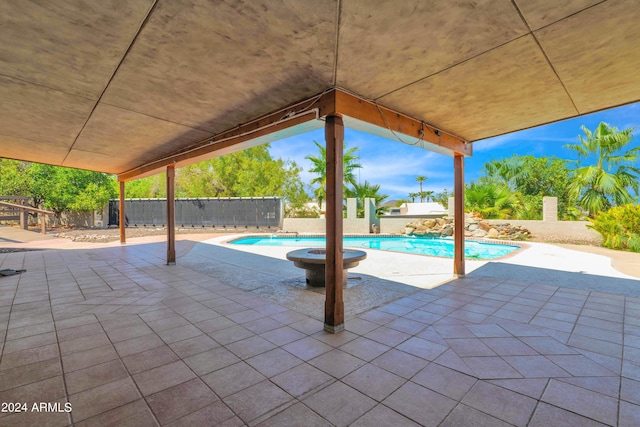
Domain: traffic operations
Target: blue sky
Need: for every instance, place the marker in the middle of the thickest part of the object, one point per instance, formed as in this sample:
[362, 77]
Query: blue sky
[395, 165]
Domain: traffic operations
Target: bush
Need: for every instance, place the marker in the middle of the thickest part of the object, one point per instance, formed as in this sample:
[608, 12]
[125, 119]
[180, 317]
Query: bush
[620, 227]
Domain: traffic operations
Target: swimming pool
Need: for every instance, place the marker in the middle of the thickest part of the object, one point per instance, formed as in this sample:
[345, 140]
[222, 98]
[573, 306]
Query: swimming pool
[412, 245]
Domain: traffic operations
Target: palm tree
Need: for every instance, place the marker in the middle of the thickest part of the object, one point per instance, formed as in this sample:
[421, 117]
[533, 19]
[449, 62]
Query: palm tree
[320, 169]
[368, 191]
[492, 200]
[427, 195]
[606, 172]
[413, 196]
[506, 171]
[420, 180]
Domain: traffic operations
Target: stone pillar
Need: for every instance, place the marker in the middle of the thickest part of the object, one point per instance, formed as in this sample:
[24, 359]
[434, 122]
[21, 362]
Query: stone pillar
[452, 203]
[370, 215]
[352, 208]
[549, 208]
[370, 209]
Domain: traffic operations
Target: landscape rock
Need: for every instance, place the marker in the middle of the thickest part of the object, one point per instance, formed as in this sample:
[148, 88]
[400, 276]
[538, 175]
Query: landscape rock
[475, 226]
[493, 234]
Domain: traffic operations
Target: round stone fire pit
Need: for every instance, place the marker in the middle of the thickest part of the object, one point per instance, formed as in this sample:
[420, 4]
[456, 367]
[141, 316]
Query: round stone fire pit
[313, 261]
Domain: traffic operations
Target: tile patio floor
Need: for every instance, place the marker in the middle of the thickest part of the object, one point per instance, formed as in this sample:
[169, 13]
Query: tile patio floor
[128, 340]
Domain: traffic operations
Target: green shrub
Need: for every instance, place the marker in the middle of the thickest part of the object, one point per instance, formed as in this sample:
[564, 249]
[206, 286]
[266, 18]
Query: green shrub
[619, 227]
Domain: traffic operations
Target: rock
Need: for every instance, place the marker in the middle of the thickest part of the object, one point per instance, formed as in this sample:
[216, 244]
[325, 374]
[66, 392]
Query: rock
[446, 232]
[493, 234]
[429, 223]
[474, 225]
[479, 233]
[484, 225]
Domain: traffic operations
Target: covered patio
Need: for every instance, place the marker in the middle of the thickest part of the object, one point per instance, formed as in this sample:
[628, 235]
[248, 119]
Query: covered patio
[138, 88]
[128, 340]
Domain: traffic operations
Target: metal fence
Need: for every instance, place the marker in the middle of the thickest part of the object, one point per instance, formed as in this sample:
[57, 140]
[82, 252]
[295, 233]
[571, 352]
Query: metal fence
[219, 212]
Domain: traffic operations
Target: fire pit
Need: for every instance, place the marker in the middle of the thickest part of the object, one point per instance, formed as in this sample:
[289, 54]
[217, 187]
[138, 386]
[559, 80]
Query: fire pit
[313, 261]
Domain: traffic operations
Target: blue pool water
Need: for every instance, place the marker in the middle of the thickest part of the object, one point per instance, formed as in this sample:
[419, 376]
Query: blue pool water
[412, 245]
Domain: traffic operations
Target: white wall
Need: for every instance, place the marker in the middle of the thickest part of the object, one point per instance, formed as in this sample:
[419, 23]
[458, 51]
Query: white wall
[318, 225]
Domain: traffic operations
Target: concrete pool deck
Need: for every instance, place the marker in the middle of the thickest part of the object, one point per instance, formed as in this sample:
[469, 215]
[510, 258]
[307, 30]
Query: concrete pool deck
[128, 340]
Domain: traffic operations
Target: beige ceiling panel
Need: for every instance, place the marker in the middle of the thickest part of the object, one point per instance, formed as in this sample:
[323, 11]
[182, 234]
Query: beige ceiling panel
[33, 151]
[539, 13]
[507, 89]
[395, 43]
[36, 113]
[598, 59]
[116, 132]
[99, 162]
[213, 65]
[71, 45]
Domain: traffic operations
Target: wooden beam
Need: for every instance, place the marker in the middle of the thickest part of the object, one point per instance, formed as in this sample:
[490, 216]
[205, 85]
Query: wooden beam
[300, 117]
[334, 303]
[458, 215]
[399, 125]
[122, 221]
[268, 128]
[171, 215]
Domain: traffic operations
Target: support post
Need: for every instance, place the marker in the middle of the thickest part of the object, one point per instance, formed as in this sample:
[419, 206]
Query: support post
[171, 215]
[334, 303]
[122, 216]
[458, 218]
[24, 217]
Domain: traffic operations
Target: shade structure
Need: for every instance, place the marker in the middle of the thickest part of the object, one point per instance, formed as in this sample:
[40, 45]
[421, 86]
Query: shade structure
[114, 87]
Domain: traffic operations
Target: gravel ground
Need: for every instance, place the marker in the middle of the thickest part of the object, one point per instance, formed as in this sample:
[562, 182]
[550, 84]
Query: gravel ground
[101, 235]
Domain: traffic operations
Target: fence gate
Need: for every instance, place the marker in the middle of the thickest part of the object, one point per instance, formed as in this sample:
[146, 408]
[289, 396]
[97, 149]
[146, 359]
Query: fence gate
[209, 212]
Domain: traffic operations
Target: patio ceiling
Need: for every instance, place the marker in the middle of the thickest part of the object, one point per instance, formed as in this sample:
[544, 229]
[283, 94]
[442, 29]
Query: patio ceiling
[113, 86]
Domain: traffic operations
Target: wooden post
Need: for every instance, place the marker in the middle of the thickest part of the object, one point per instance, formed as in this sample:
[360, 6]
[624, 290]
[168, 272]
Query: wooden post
[334, 303]
[458, 223]
[122, 216]
[171, 215]
[24, 216]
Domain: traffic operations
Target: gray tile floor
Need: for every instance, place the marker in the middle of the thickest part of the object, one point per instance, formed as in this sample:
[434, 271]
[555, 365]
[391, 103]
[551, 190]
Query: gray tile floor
[127, 340]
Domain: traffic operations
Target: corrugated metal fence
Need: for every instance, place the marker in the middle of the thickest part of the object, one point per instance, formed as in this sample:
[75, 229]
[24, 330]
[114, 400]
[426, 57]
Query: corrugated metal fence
[229, 212]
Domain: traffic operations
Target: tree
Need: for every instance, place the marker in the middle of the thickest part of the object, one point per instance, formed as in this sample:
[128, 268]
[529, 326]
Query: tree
[151, 187]
[506, 172]
[443, 198]
[492, 200]
[57, 188]
[413, 196]
[420, 180]
[319, 162]
[368, 191]
[606, 173]
[248, 173]
[426, 195]
[532, 178]
[77, 190]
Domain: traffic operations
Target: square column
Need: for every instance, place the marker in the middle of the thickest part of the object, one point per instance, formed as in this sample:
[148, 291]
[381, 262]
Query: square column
[171, 215]
[458, 215]
[334, 275]
[122, 221]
